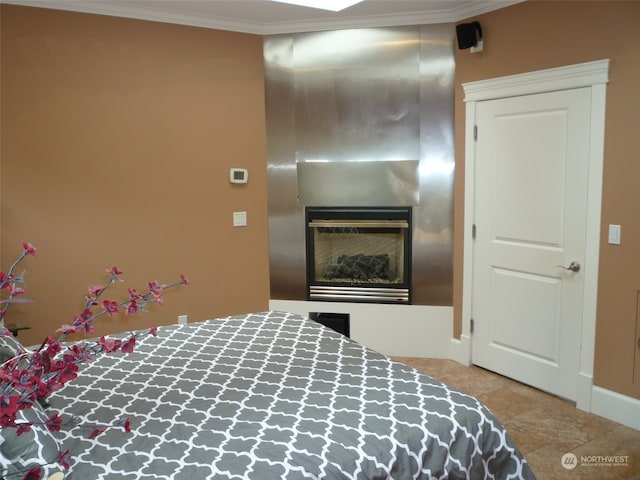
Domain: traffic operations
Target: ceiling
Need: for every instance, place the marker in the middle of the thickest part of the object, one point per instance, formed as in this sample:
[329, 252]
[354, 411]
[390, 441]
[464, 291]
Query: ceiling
[265, 17]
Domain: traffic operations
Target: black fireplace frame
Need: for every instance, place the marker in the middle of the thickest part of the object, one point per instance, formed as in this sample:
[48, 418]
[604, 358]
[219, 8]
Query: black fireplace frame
[359, 292]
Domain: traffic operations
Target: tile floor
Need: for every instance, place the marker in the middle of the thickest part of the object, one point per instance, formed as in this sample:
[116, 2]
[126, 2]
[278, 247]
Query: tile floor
[544, 427]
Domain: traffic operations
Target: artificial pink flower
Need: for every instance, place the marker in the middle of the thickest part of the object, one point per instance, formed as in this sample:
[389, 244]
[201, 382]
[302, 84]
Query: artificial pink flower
[91, 300]
[67, 329]
[33, 474]
[132, 308]
[156, 290]
[42, 363]
[6, 281]
[109, 344]
[65, 374]
[22, 379]
[128, 346]
[114, 270]
[88, 327]
[154, 287]
[22, 427]
[64, 459]
[153, 331]
[15, 290]
[133, 294]
[96, 432]
[53, 346]
[78, 353]
[7, 421]
[29, 249]
[54, 423]
[111, 307]
[30, 385]
[8, 409]
[95, 290]
[84, 321]
[85, 315]
[183, 279]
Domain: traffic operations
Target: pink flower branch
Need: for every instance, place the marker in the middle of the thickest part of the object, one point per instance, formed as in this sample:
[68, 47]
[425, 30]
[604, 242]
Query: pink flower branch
[29, 377]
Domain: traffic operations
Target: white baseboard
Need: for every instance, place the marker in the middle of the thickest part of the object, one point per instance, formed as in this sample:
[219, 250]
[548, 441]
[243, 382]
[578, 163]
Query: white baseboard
[584, 392]
[460, 350]
[615, 406]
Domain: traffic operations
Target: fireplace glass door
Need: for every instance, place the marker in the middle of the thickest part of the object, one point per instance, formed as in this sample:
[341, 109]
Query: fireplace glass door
[359, 254]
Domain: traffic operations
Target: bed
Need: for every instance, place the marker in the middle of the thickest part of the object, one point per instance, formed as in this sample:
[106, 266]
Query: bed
[274, 395]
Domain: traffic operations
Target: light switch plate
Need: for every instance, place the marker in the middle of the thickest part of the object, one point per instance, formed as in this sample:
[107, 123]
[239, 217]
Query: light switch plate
[614, 234]
[239, 219]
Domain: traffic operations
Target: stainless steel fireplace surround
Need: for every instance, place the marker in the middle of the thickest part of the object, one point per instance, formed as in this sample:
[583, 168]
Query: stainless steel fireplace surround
[346, 99]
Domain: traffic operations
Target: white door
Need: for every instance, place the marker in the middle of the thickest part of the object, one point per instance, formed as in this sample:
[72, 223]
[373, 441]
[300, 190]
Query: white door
[531, 178]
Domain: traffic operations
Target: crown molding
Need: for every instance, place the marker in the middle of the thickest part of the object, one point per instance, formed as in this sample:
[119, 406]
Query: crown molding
[480, 7]
[149, 14]
[219, 23]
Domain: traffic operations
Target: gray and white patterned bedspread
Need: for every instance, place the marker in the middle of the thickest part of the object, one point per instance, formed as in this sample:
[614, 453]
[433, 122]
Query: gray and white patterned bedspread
[275, 396]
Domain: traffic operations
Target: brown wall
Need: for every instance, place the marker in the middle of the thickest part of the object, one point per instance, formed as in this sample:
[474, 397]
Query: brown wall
[117, 136]
[117, 139]
[543, 34]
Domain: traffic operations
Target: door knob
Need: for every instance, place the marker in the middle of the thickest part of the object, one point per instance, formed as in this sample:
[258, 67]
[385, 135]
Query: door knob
[573, 266]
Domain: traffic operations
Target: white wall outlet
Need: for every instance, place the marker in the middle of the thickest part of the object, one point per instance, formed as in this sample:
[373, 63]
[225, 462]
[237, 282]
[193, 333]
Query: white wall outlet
[183, 319]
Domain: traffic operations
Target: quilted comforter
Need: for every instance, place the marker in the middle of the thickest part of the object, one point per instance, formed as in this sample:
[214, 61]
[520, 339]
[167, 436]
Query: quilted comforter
[275, 396]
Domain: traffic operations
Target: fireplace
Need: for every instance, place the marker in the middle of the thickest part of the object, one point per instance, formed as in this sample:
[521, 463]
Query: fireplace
[359, 254]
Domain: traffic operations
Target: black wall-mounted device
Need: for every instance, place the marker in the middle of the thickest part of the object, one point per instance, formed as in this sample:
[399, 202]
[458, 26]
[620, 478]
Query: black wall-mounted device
[468, 34]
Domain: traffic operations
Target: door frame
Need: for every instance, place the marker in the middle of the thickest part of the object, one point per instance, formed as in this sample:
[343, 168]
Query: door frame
[591, 74]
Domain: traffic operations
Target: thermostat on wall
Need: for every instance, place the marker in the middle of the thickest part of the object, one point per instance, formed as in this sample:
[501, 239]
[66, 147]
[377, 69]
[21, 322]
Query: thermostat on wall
[238, 175]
